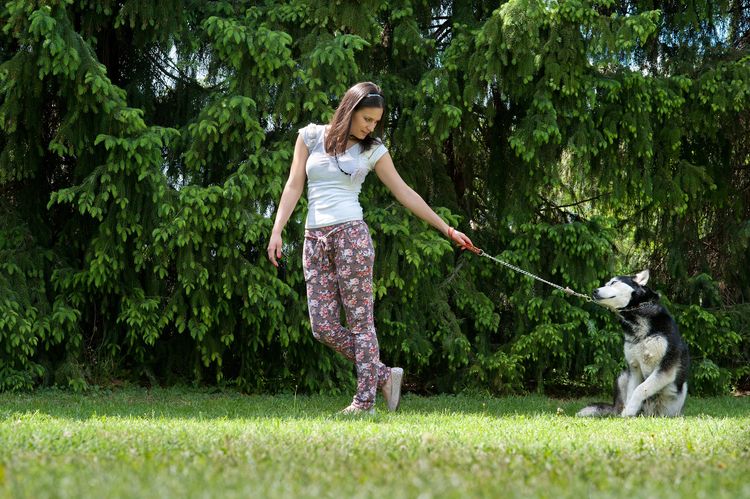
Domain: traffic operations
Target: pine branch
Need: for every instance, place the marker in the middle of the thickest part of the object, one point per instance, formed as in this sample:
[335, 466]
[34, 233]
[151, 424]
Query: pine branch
[181, 76]
[554, 206]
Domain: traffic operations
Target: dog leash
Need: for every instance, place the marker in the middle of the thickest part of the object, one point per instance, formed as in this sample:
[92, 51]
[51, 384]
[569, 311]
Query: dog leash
[480, 252]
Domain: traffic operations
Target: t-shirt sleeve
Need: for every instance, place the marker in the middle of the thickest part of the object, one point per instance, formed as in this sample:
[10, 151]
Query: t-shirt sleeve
[310, 135]
[375, 155]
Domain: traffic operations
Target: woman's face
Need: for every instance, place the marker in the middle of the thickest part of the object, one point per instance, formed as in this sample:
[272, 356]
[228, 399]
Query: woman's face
[364, 121]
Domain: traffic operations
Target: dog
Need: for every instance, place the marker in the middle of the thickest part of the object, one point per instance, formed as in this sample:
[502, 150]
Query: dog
[655, 381]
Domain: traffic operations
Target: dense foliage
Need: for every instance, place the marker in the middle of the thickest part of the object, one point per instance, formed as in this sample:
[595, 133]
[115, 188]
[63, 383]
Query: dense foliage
[145, 144]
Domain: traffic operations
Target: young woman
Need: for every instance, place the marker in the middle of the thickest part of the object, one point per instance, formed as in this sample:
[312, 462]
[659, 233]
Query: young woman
[338, 252]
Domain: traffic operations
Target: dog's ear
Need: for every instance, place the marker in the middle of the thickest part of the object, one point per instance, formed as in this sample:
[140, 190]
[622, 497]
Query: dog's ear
[641, 278]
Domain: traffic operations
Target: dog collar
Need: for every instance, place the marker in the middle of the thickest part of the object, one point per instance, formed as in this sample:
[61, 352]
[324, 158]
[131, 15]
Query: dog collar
[639, 306]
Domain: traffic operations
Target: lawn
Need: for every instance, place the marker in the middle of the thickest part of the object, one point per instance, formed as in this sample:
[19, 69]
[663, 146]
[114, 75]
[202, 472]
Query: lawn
[190, 443]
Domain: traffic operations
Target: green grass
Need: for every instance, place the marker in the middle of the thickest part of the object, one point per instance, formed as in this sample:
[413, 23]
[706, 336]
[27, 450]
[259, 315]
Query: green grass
[185, 443]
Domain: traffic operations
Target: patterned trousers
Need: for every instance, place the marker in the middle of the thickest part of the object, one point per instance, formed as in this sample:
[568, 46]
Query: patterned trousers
[337, 262]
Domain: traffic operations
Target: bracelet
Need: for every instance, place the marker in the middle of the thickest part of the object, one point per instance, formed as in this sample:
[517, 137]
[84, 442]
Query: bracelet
[450, 232]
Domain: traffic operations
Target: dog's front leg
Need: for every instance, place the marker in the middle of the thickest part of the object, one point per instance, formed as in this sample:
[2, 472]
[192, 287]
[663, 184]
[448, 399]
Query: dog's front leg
[635, 378]
[656, 381]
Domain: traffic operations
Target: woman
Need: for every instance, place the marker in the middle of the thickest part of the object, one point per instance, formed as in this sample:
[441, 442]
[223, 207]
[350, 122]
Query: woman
[338, 252]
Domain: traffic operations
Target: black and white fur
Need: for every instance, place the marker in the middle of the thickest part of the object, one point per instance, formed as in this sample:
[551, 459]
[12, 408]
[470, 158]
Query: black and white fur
[655, 381]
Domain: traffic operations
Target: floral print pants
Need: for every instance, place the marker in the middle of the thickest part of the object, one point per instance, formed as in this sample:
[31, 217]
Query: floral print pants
[337, 263]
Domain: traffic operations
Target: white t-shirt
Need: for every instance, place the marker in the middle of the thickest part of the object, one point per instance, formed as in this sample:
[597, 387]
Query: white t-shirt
[333, 196]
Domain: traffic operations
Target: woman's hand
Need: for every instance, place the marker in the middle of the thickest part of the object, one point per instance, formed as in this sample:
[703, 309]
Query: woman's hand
[274, 249]
[459, 238]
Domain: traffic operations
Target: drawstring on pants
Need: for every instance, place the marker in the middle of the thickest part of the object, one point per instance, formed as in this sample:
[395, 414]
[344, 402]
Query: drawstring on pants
[322, 247]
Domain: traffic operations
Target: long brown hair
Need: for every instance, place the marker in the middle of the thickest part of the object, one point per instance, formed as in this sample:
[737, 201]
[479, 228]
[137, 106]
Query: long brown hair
[364, 94]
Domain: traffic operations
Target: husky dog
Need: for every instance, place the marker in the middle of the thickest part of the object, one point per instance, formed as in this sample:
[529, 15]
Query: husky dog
[655, 381]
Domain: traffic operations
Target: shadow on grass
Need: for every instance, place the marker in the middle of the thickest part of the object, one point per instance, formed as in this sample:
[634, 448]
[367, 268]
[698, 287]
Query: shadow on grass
[198, 404]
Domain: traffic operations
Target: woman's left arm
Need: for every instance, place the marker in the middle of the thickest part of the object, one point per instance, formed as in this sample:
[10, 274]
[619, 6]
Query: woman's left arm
[405, 195]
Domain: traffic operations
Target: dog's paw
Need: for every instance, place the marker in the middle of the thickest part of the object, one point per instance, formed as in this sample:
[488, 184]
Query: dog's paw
[629, 413]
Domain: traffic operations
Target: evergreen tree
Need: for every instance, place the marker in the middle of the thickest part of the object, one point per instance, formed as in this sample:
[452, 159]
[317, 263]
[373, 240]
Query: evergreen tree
[145, 145]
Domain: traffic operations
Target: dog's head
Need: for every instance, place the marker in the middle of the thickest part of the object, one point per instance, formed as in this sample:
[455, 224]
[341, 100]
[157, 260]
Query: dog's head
[625, 291]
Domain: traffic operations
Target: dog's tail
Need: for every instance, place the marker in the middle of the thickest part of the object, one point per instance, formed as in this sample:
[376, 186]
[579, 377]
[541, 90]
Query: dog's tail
[613, 409]
[597, 410]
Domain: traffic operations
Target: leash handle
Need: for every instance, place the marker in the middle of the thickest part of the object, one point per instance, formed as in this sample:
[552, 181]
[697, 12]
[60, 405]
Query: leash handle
[473, 249]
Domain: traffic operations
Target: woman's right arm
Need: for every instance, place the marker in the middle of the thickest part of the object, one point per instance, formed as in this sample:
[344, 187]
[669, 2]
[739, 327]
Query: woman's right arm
[289, 197]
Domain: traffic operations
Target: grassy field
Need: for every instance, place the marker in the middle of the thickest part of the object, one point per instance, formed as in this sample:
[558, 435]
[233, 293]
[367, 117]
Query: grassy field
[186, 443]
